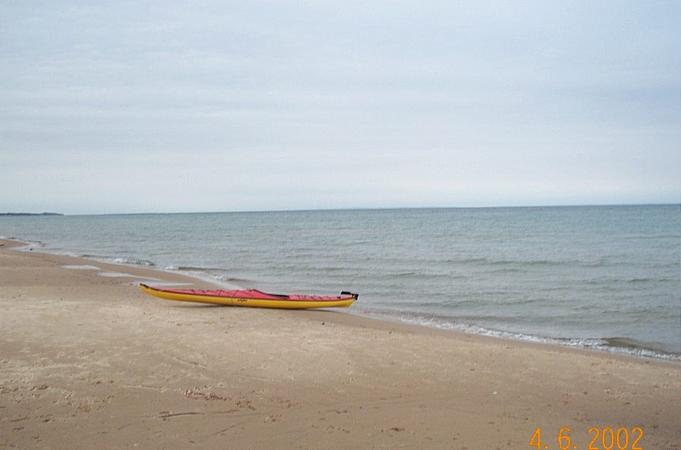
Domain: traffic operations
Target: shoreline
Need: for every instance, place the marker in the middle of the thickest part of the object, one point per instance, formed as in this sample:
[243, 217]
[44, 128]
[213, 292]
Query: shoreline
[92, 356]
[637, 351]
[141, 273]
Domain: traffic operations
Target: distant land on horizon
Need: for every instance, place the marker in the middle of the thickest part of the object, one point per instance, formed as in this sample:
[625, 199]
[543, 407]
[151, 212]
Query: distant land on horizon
[30, 214]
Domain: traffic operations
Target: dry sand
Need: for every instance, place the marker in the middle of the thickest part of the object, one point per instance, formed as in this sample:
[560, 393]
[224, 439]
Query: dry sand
[88, 362]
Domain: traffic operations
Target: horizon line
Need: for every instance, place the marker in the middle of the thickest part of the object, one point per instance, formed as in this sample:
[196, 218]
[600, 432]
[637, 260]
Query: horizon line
[366, 208]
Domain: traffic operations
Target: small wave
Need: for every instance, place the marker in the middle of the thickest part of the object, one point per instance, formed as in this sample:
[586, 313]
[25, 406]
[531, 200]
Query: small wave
[201, 269]
[654, 236]
[404, 274]
[134, 261]
[89, 255]
[531, 262]
[506, 270]
[215, 273]
[211, 274]
[443, 301]
[332, 269]
[636, 280]
[233, 279]
[415, 275]
[517, 263]
[651, 280]
[599, 263]
[632, 344]
[466, 260]
[509, 262]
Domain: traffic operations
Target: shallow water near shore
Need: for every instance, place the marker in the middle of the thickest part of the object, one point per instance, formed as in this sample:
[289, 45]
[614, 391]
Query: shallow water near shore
[604, 277]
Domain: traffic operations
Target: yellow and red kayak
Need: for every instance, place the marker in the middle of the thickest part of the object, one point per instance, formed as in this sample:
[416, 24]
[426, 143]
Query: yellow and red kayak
[253, 298]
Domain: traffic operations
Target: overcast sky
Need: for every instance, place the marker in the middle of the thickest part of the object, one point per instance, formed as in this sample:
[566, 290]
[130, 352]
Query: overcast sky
[211, 106]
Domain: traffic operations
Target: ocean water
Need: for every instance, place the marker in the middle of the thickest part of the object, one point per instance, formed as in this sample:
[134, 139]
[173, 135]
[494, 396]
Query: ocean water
[604, 277]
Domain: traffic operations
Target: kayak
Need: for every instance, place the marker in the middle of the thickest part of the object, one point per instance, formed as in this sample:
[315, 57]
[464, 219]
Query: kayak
[253, 298]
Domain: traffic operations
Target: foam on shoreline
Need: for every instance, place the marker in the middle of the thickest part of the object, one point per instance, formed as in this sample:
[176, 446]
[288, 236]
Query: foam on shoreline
[618, 345]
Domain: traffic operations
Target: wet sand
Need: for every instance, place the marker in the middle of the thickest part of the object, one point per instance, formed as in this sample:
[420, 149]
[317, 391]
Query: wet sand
[88, 361]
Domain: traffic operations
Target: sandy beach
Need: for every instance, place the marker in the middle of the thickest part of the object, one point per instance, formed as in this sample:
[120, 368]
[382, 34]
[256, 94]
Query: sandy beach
[88, 361]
